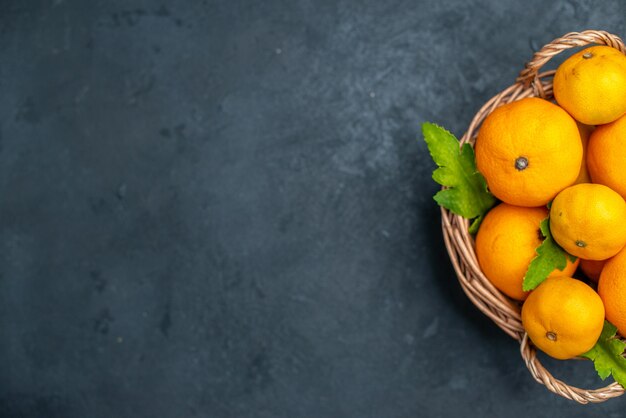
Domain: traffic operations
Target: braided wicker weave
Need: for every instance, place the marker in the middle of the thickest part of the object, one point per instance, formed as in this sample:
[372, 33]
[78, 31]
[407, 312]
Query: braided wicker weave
[503, 311]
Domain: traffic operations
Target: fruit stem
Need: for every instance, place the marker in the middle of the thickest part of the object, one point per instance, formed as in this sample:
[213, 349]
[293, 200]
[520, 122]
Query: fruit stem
[521, 163]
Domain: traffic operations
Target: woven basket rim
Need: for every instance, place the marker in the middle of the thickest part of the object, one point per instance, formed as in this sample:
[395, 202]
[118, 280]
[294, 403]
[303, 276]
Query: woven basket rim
[502, 310]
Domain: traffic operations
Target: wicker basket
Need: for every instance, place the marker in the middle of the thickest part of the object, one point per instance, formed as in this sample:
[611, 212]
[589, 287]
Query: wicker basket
[503, 311]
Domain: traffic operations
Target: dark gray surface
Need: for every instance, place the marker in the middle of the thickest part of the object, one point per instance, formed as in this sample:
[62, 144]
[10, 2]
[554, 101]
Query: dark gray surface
[222, 209]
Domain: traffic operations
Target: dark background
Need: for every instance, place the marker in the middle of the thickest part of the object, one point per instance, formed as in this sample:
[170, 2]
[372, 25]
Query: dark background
[223, 208]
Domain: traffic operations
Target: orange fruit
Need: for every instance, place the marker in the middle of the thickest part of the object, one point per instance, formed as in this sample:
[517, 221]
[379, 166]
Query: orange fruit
[592, 268]
[606, 156]
[563, 317]
[585, 132]
[612, 290]
[505, 246]
[528, 151]
[591, 85]
[589, 221]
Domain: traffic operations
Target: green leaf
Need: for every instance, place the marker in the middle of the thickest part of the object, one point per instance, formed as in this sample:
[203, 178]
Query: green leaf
[607, 355]
[466, 193]
[549, 256]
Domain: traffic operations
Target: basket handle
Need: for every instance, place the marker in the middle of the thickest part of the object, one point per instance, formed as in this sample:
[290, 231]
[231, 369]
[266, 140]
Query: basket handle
[530, 73]
[541, 375]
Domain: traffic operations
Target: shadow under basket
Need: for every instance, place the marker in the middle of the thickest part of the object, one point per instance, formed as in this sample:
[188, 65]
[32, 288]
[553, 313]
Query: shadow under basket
[502, 310]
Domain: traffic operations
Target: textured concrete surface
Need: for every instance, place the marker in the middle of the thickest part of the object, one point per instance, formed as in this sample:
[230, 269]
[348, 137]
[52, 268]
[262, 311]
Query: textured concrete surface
[223, 208]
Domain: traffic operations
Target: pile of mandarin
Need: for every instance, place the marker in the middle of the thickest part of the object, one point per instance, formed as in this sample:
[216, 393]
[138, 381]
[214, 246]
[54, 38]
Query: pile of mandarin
[566, 160]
